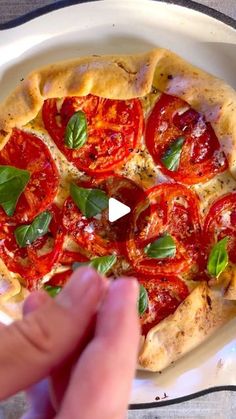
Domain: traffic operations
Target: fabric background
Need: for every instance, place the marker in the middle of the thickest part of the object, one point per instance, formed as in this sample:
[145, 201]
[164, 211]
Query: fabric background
[221, 405]
[10, 9]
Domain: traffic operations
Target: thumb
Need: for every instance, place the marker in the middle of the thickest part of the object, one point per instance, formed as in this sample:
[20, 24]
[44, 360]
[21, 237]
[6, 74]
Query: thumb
[38, 395]
[33, 347]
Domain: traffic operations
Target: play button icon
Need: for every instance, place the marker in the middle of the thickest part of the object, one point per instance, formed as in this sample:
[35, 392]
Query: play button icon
[116, 210]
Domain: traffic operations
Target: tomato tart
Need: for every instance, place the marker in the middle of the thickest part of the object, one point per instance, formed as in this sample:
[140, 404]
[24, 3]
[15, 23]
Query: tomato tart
[153, 132]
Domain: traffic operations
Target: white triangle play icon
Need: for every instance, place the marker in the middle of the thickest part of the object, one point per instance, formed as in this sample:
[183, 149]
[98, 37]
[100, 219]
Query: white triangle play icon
[116, 210]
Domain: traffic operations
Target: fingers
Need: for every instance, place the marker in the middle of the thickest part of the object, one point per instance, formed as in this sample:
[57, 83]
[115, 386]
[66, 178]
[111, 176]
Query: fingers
[101, 381]
[38, 395]
[32, 348]
[60, 378]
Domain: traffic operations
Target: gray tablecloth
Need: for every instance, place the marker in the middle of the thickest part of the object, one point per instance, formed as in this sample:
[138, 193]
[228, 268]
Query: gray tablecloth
[221, 405]
[13, 8]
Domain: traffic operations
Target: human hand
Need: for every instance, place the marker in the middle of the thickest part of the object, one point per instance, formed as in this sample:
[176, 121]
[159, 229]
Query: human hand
[85, 342]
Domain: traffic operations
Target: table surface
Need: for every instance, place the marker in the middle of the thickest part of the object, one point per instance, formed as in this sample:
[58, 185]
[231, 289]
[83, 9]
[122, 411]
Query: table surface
[222, 404]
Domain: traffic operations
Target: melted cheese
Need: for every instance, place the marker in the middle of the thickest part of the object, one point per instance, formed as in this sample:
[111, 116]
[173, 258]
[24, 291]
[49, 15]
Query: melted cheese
[141, 168]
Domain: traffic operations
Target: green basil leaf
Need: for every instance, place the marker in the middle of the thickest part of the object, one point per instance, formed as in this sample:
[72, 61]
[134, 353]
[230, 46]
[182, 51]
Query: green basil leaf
[102, 264]
[27, 234]
[12, 183]
[171, 157]
[76, 133]
[218, 258]
[90, 201]
[143, 300]
[164, 247]
[53, 291]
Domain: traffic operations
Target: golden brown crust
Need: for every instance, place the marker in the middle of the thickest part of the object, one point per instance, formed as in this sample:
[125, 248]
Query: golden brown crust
[125, 77]
[200, 315]
[118, 77]
[206, 93]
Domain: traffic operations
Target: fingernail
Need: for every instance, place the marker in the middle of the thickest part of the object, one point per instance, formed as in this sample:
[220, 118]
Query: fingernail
[84, 282]
[35, 301]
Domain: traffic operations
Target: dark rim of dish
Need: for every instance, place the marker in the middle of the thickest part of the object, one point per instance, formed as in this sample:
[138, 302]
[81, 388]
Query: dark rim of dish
[65, 3]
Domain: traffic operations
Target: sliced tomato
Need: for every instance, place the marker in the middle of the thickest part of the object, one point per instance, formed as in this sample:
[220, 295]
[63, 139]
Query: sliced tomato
[97, 235]
[60, 279]
[36, 260]
[114, 129]
[201, 157]
[220, 222]
[28, 152]
[67, 259]
[168, 209]
[164, 295]
[127, 192]
[92, 234]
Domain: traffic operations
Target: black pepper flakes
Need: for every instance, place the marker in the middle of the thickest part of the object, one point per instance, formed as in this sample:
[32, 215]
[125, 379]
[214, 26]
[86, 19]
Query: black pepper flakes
[92, 156]
[209, 302]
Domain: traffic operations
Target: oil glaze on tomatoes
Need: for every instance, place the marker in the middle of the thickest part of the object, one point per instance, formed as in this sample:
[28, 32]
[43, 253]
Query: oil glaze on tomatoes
[26, 151]
[220, 222]
[97, 235]
[201, 157]
[35, 260]
[114, 130]
[168, 209]
[66, 261]
[164, 295]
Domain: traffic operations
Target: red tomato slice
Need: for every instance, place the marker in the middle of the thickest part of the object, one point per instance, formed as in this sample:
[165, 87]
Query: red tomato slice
[221, 222]
[114, 129]
[26, 151]
[201, 157]
[36, 260]
[172, 209]
[67, 259]
[60, 279]
[165, 295]
[97, 235]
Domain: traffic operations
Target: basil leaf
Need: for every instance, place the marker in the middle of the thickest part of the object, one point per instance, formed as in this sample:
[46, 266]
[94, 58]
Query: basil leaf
[12, 183]
[102, 264]
[76, 133]
[53, 291]
[143, 300]
[171, 157]
[218, 258]
[90, 201]
[27, 234]
[161, 248]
